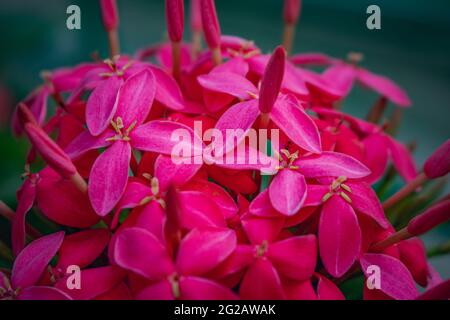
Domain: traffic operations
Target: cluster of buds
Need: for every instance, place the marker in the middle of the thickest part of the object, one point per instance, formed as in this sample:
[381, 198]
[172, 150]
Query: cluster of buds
[140, 225]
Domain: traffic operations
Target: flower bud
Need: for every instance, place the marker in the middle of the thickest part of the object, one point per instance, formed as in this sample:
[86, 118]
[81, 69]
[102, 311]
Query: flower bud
[55, 157]
[196, 16]
[109, 14]
[175, 19]
[438, 164]
[25, 115]
[211, 27]
[434, 216]
[291, 11]
[272, 79]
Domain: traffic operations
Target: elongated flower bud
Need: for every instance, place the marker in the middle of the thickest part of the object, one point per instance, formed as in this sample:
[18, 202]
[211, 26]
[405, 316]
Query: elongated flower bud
[50, 151]
[438, 164]
[109, 14]
[196, 16]
[25, 115]
[175, 19]
[272, 79]
[431, 218]
[211, 27]
[291, 11]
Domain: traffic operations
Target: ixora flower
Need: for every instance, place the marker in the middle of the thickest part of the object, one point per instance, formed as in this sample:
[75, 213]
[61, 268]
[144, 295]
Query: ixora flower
[219, 173]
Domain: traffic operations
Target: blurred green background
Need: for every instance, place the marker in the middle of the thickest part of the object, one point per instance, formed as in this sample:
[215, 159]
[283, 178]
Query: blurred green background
[412, 48]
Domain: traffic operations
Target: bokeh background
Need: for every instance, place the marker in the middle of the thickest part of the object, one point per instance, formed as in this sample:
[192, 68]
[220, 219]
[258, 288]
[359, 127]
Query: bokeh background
[412, 48]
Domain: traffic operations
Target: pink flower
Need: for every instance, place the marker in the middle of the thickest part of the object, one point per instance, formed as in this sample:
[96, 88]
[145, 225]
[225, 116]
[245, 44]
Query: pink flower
[28, 268]
[140, 252]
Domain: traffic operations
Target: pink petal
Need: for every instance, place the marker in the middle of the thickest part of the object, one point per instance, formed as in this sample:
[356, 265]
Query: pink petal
[297, 125]
[102, 104]
[240, 259]
[162, 137]
[85, 142]
[82, 248]
[221, 197]
[315, 195]
[331, 164]
[294, 257]
[261, 205]
[311, 58]
[239, 116]
[42, 293]
[32, 261]
[60, 201]
[139, 251]
[385, 87]
[26, 199]
[94, 282]
[413, 254]
[204, 249]
[235, 65]
[366, 201]
[170, 173]
[341, 76]
[158, 291]
[376, 157]
[133, 195]
[259, 229]
[136, 98]
[119, 292]
[327, 290]
[402, 158]
[168, 92]
[195, 288]
[287, 191]
[396, 281]
[339, 236]
[229, 83]
[109, 177]
[299, 290]
[261, 282]
[198, 210]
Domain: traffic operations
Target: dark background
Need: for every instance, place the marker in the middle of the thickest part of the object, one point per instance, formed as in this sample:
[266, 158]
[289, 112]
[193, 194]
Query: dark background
[412, 48]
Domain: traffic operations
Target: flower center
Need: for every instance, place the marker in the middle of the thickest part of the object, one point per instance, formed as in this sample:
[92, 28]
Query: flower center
[287, 159]
[339, 188]
[8, 293]
[120, 133]
[260, 251]
[112, 64]
[155, 192]
[174, 280]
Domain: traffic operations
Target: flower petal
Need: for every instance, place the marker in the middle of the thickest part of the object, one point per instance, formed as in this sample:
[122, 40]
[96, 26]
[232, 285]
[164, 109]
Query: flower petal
[158, 291]
[139, 251]
[287, 191]
[294, 257]
[168, 92]
[385, 87]
[229, 83]
[32, 261]
[402, 158]
[109, 176]
[102, 105]
[201, 250]
[42, 293]
[327, 290]
[331, 164]
[376, 157]
[395, 279]
[339, 236]
[195, 288]
[170, 173]
[261, 282]
[136, 98]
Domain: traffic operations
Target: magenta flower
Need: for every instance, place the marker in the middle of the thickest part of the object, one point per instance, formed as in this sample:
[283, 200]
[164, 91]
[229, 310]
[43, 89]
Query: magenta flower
[140, 252]
[28, 268]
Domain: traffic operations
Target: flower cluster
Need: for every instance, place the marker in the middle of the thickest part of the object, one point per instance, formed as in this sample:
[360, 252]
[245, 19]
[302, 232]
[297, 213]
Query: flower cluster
[139, 225]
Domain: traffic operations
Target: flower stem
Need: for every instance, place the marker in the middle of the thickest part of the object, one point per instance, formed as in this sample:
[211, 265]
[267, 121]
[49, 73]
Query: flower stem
[176, 60]
[405, 191]
[288, 37]
[9, 214]
[403, 234]
[114, 46]
[196, 43]
[377, 110]
[216, 56]
[79, 182]
[394, 121]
